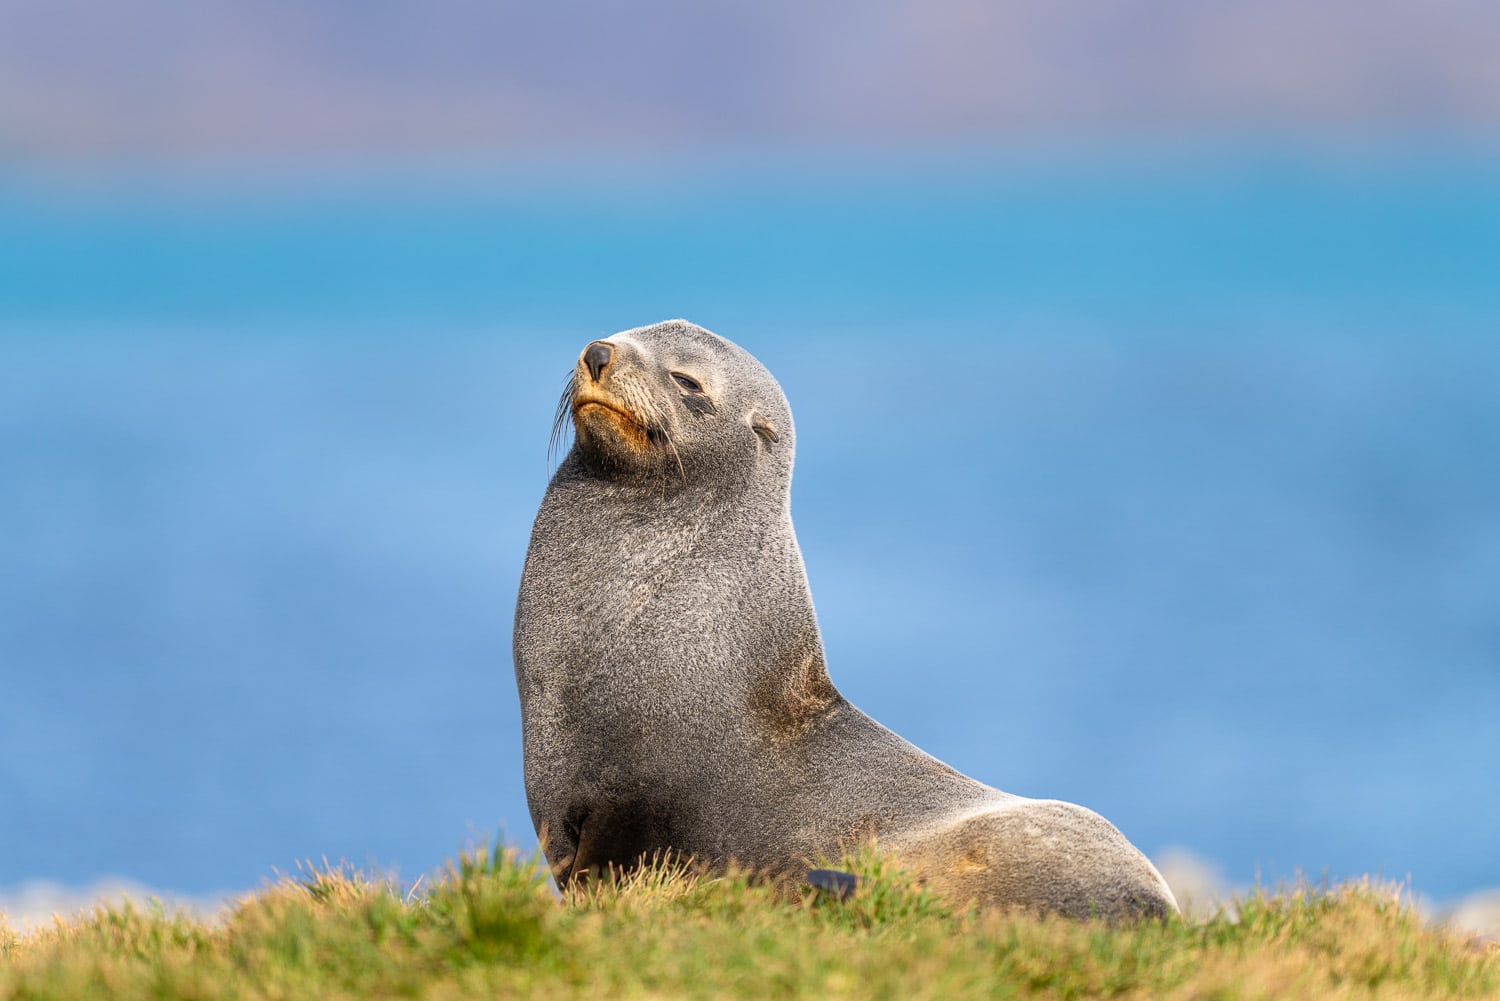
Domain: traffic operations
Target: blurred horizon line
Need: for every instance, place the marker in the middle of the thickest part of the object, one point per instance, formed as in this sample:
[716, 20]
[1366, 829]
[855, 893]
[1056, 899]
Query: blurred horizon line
[727, 163]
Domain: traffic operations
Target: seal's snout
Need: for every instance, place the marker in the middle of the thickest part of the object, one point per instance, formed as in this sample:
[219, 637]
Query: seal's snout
[597, 357]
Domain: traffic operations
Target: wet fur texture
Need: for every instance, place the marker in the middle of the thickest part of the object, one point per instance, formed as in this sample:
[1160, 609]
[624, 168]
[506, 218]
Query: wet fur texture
[674, 695]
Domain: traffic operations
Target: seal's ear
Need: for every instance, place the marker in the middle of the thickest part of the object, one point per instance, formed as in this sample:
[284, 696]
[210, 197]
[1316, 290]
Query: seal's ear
[763, 427]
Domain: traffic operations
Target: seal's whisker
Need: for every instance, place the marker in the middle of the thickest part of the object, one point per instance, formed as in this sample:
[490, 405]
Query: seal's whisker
[659, 421]
[676, 455]
[560, 422]
[666, 437]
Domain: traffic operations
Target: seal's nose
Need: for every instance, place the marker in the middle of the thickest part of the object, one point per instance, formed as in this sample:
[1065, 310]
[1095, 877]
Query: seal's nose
[596, 356]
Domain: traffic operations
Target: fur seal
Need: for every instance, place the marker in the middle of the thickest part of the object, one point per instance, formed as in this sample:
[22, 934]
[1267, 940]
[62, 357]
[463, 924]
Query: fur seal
[674, 695]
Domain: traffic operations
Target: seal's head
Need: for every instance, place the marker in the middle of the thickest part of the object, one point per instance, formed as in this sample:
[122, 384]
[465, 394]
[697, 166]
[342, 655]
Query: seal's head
[674, 402]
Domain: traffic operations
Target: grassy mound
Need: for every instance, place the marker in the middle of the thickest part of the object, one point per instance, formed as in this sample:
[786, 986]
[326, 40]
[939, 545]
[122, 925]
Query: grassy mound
[492, 928]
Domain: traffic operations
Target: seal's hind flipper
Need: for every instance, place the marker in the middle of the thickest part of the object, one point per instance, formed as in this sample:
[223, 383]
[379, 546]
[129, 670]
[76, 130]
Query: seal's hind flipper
[839, 885]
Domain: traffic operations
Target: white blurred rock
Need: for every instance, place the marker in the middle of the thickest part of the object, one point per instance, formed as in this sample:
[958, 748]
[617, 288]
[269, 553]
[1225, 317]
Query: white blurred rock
[1201, 890]
[37, 903]
[1477, 914]
[1199, 885]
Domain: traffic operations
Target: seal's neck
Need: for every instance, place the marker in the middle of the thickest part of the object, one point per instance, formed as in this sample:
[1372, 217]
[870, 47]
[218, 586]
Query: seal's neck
[672, 494]
[630, 579]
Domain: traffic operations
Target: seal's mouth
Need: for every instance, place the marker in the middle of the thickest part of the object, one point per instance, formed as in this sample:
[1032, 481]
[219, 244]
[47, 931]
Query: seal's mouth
[612, 408]
[594, 413]
[596, 401]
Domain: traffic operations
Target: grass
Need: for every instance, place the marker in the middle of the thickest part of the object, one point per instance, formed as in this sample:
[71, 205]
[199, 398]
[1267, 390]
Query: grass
[491, 927]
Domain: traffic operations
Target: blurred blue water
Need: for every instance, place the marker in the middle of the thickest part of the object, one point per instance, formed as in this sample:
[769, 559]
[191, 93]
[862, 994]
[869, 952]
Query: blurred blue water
[1169, 488]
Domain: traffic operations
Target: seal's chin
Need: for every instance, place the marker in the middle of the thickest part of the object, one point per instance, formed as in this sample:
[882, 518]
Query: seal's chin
[600, 420]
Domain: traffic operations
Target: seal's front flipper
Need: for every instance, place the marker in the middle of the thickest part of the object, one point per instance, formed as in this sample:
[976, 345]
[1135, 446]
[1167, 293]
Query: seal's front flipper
[839, 885]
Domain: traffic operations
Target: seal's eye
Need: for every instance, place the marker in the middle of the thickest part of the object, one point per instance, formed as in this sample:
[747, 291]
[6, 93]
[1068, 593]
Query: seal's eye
[687, 382]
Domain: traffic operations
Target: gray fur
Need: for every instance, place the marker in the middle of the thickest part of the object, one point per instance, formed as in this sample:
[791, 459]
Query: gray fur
[673, 689]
